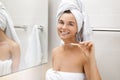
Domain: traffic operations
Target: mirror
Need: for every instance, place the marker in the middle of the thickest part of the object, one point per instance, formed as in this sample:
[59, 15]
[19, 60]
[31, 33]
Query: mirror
[31, 25]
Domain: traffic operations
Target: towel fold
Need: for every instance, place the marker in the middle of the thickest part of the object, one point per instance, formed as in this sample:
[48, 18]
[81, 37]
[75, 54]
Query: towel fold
[33, 55]
[77, 9]
[58, 75]
[6, 24]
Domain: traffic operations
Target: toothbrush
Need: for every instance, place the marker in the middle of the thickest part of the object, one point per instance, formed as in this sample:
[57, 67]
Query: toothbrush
[74, 44]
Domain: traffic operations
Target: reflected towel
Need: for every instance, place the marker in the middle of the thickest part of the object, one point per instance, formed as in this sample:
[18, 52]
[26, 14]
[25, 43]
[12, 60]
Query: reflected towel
[58, 75]
[33, 54]
[77, 9]
[6, 24]
[5, 67]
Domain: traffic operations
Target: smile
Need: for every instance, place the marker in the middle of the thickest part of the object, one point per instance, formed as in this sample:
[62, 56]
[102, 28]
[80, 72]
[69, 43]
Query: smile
[65, 33]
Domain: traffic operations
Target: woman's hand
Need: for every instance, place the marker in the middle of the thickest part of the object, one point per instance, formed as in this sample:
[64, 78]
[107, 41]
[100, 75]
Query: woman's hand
[87, 48]
[90, 65]
[89, 62]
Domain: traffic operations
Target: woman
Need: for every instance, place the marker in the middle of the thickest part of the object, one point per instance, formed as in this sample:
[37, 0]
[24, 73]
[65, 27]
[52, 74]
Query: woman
[74, 60]
[9, 44]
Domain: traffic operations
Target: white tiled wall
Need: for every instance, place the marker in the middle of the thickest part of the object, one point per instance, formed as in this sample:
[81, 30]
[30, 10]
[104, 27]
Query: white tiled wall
[106, 14]
[107, 46]
[103, 13]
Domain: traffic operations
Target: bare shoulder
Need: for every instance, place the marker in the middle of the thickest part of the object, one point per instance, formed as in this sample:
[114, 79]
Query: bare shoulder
[14, 46]
[56, 50]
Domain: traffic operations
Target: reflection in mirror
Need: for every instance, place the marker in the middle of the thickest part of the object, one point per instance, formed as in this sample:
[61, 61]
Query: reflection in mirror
[22, 44]
[9, 44]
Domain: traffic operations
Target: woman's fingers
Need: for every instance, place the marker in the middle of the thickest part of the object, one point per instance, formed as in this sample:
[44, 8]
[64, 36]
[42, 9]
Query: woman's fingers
[87, 44]
[86, 47]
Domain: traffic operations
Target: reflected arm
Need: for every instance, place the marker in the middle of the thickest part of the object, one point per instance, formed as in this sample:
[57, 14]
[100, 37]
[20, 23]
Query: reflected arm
[15, 50]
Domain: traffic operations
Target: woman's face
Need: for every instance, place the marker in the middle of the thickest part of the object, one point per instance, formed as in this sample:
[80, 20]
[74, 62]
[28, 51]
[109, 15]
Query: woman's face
[67, 26]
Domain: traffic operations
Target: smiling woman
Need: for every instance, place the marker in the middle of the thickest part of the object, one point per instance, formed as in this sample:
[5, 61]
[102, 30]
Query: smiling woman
[67, 26]
[75, 59]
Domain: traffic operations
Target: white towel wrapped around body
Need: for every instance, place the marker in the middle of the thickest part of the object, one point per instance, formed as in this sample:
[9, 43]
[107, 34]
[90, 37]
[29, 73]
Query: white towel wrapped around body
[59, 75]
[77, 9]
[5, 67]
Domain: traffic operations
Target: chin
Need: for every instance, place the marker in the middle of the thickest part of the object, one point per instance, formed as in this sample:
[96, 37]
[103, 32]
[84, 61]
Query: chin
[64, 38]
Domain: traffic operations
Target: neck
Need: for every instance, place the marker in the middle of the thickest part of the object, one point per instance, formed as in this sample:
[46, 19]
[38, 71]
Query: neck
[3, 37]
[68, 41]
[67, 44]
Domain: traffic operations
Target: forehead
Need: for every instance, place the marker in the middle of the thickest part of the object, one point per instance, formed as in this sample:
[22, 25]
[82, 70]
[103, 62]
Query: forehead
[67, 17]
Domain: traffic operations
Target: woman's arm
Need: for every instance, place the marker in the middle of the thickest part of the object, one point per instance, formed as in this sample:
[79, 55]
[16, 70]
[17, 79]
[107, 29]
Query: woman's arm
[15, 50]
[91, 71]
[90, 65]
[53, 56]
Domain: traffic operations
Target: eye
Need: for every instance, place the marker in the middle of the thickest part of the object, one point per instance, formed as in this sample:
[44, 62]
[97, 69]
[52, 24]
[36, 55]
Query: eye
[71, 23]
[60, 22]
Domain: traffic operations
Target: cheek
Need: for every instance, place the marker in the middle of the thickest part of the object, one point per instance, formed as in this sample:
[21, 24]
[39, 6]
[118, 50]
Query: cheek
[58, 25]
[74, 30]
[58, 29]
[74, 33]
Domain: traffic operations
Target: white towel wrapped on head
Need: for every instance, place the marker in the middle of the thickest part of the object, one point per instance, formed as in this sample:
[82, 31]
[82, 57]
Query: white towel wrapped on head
[6, 24]
[77, 9]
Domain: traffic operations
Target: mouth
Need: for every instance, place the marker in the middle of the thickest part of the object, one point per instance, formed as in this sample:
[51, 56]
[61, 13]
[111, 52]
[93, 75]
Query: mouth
[64, 33]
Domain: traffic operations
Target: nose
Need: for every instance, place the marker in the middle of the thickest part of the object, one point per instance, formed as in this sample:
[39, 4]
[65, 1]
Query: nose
[64, 26]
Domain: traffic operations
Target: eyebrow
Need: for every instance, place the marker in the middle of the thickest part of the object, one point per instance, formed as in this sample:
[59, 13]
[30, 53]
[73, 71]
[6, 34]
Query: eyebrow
[60, 20]
[72, 22]
[68, 21]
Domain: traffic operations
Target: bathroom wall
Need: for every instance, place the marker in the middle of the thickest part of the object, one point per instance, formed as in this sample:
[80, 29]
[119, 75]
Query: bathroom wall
[105, 15]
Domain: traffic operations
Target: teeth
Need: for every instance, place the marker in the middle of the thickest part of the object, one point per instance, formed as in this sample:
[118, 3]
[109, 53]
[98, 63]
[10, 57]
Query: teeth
[64, 33]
